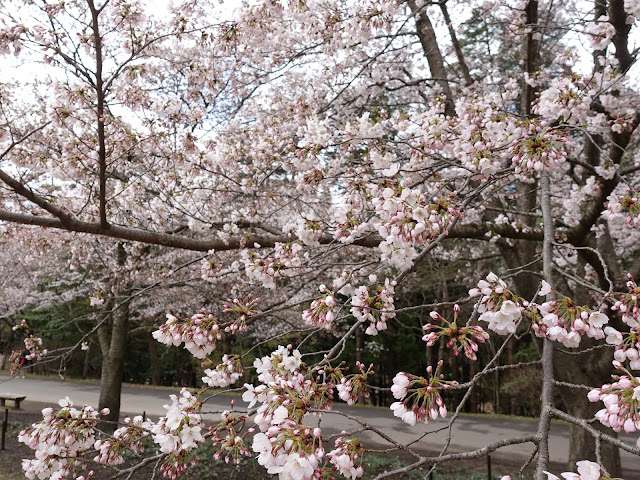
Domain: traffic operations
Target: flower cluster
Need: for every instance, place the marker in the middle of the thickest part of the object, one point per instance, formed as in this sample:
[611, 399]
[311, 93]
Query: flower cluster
[622, 402]
[563, 321]
[565, 99]
[321, 312]
[406, 214]
[226, 373]
[627, 343]
[623, 209]
[425, 401]
[459, 338]
[198, 333]
[244, 309]
[375, 308]
[293, 452]
[586, 471]
[347, 457]
[228, 440]
[538, 150]
[281, 364]
[210, 267]
[288, 391]
[623, 123]
[350, 387]
[127, 438]
[600, 33]
[179, 432]
[498, 307]
[408, 218]
[286, 257]
[58, 439]
[34, 345]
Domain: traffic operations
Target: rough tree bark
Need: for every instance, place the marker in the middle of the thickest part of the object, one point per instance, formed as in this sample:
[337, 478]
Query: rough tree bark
[112, 336]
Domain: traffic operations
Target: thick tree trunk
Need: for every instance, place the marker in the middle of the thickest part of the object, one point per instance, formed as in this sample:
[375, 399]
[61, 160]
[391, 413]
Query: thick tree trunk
[112, 336]
[87, 362]
[113, 364]
[431, 49]
[153, 361]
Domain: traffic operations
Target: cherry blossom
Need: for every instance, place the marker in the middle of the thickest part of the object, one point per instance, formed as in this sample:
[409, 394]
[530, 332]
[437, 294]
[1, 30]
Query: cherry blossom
[586, 471]
[198, 333]
[460, 338]
[423, 404]
[621, 399]
[375, 307]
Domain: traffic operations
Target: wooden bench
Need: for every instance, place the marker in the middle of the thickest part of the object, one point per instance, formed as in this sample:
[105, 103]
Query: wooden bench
[10, 396]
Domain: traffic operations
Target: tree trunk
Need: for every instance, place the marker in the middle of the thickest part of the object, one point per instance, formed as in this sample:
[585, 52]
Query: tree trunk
[112, 336]
[87, 362]
[112, 365]
[153, 361]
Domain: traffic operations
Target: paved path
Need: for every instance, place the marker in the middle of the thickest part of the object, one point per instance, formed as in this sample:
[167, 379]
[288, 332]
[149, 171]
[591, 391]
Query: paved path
[469, 432]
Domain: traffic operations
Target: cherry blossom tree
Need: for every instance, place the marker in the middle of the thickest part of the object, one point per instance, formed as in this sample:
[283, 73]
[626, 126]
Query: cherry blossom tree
[317, 154]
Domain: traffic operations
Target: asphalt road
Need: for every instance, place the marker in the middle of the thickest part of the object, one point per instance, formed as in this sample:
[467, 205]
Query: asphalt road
[469, 432]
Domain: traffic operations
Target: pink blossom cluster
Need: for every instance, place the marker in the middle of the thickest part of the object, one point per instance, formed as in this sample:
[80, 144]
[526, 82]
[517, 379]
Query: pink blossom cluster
[623, 123]
[282, 364]
[350, 387]
[180, 428]
[586, 471]
[632, 7]
[376, 308]
[424, 403]
[285, 260]
[308, 231]
[459, 338]
[293, 452]
[406, 214]
[244, 309]
[498, 306]
[130, 438]
[23, 325]
[483, 131]
[621, 400]
[34, 345]
[229, 441]
[210, 267]
[540, 149]
[409, 219]
[627, 343]
[347, 457]
[565, 322]
[347, 224]
[600, 33]
[321, 312]
[58, 439]
[226, 373]
[566, 99]
[287, 392]
[198, 333]
[623, 209]
[10, 38]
